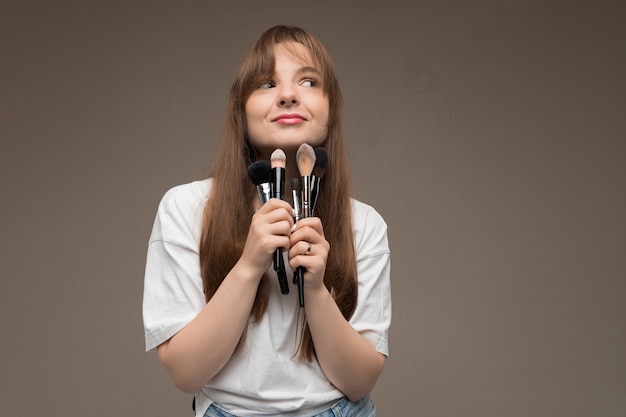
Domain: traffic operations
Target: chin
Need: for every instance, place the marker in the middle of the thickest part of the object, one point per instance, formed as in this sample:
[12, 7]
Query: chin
[289, 146]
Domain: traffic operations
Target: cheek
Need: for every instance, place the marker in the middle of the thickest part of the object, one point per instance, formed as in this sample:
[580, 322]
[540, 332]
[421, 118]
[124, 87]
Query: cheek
[323, 111]
[252, 116]
[325, 116]
[249, 109]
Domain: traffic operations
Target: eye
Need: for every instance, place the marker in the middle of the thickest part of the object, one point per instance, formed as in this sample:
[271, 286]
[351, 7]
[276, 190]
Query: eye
[267, 84]
[309, 82]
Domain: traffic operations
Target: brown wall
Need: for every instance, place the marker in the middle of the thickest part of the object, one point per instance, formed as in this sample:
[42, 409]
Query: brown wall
[490, 135]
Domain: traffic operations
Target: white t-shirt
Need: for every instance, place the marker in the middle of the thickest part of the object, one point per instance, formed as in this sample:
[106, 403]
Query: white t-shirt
[264, 377]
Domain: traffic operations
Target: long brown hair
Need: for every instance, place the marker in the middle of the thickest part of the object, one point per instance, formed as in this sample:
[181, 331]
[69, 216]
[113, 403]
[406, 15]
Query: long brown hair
[229, 209]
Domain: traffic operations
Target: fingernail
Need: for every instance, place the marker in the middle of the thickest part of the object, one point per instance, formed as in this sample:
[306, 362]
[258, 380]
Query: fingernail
[293, 228]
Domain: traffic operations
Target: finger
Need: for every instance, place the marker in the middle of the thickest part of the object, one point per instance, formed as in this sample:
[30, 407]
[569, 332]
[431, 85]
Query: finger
[307, 234]
[302, 248]
[275, 204]
[312, 222]
[304, 253]
[279, 228]
[276, 216]
[314, 262]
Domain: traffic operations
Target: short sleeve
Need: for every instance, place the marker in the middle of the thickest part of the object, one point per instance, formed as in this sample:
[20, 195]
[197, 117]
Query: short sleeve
[372, 316]
[173, 290]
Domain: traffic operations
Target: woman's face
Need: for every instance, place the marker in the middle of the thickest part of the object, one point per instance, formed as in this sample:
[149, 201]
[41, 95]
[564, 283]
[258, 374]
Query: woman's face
[290, 108]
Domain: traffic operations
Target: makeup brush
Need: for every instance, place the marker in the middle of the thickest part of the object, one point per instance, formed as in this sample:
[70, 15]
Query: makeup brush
[278, 161]
[260, 173]
[295, 193]
[305, 157]
[319, 169]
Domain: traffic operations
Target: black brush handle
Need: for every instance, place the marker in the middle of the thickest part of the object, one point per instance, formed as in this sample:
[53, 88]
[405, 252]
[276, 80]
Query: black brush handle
[301, 287]
[278, 190]
[282, 275]
[298, 278]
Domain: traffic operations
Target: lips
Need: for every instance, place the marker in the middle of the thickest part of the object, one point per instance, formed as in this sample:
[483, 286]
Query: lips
[289, 119]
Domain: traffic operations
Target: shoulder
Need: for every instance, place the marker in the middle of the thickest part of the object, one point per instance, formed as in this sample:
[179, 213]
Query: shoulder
[180, 210]
[361, 210]
[186, 195]
[370, 230]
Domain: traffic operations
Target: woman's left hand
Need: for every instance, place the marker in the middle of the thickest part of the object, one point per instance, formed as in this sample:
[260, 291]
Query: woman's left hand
[309, 249]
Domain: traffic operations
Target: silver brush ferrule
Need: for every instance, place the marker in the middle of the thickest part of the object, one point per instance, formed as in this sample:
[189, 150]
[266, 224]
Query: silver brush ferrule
[264, 192]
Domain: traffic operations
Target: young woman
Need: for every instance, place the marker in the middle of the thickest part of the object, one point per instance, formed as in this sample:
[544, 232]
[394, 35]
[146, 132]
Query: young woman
[212, 305]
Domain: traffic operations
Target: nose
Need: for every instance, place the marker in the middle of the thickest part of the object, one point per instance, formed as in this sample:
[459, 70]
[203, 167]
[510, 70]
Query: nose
[287, 97]
[288, 101]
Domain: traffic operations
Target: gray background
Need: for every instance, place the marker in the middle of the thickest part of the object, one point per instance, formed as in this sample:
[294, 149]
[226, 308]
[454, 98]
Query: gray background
[489, 134]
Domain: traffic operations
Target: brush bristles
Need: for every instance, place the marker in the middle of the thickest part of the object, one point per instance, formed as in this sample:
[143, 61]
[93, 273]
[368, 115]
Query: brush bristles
[278, 158]
[260, 172]
[295, 184]
[321, 162]
[306, 159]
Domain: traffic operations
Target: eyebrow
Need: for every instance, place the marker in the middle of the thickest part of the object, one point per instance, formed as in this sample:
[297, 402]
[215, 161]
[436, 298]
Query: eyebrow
[308, 69]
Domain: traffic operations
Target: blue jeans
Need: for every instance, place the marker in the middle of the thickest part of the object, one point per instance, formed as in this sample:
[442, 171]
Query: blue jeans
[343, 408]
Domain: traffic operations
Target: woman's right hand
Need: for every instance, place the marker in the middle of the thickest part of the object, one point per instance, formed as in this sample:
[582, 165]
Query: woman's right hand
[270, 229]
